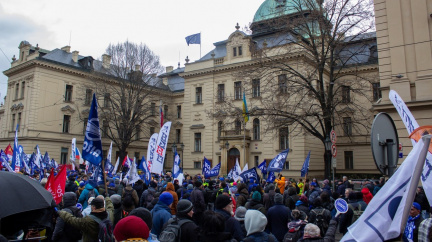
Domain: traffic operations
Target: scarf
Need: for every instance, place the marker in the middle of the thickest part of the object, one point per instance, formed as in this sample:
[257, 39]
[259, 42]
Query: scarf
[409, 229]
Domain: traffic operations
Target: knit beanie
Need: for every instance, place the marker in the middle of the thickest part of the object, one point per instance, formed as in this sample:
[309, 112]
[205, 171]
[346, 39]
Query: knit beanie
[198, 184]
[190, 187]
[256, 196]
[166, 198]
[278, 198]
[143, 214]
[184, 206]
[115, 199]
[222, 201]
[131, 227]
[240, 213]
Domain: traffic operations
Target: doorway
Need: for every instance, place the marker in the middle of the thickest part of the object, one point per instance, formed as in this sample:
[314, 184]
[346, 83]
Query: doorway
[233, 154]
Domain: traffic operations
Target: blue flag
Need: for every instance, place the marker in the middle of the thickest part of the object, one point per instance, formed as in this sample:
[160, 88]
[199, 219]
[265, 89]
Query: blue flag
[144, 167]
[271, 177]
[263, 167]
[96, 177]
[46, 161]
[92, 147]
[193, 39]
[305, 167]
[276, 165]
[176, 166]
[4, 159]
[16, 157]
[32, 165]
[230, 173]
[210, 172]
[250, 174]
[108, 167]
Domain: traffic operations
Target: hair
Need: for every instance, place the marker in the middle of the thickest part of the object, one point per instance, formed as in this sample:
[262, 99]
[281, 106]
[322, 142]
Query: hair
[292, 191]
[325, 197]
[223, 184]
[241, 186]
[312, 230]
[306, 187]
[212, 222]
[317, 202]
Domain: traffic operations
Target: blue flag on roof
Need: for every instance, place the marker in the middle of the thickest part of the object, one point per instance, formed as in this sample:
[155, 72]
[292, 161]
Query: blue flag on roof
[92, 147]
[193, 39]
[276, 165]
[305, 167]
[263, 167]
[250, 174]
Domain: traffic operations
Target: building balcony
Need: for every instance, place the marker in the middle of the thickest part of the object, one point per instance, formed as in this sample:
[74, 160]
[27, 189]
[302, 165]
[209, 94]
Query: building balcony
[235, 134]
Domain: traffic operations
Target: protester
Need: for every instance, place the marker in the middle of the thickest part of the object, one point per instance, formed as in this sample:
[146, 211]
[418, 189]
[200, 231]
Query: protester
[171, 190]
[243, 195]
[66, 232]
[118, 210]
[320, 216]
[146, 216]
[132, 228]
[148, 195]
[281, 183]
[413, 223]
[240, 216]
[315, 191]
[198, 201]
[255, 203]
[367, 195]
[88, 192]
[224, 207]
[268, 199]
[161, 213]
[214, 227]
[278, 217]
[290, 197]
[130, 198]
[421, 199]
[188, 229]
[425, 231]
[255, 223]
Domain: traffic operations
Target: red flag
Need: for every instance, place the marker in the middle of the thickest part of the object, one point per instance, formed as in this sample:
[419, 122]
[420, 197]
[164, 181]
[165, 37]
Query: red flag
[9, 152]
[56, 185]
[161, 115]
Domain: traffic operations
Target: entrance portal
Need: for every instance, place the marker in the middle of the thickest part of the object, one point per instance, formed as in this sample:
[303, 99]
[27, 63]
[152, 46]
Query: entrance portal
[233, 154]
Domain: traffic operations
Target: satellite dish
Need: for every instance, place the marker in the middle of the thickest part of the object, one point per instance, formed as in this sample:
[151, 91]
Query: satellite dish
[384, 143]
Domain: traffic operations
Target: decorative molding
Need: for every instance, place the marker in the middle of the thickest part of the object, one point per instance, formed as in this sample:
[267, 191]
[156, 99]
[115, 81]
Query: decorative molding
[67, 108]
[17, 107]
[178, 124]
[197, 126]
[85, 111]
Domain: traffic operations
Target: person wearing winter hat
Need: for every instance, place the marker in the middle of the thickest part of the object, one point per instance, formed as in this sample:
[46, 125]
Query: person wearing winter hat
[413, 223]
[189, 230]
[240, 216]
[131, 228]
[278, 217]
[65, 232]
[86, 211]
[146, 216]
[255, 203]
[116, 200]
[255, 223]
[89, 191]
[224, 207]
[161, 212]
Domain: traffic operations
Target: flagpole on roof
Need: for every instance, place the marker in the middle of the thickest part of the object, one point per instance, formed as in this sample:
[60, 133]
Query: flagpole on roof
[200, 44]
[415, 180]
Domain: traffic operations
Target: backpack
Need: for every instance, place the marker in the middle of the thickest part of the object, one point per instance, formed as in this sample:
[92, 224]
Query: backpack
[105, 229]
[172, 231]
[320, 221]
[357, 212]
[71, 232]
[293, 236]
[91, 193]
[146, 198]
[128, 200]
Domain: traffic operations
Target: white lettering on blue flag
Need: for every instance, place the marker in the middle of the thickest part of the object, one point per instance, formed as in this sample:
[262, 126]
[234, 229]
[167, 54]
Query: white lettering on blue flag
[276, 165]
[92, 147]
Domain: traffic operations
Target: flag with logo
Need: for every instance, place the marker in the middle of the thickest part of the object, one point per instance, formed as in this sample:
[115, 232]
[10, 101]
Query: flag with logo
[151, 151]
[38, 158]
[176, 167]
[143, 166]
[193, 39]
[161, 146]
[236, 171]
[276, 165]
[382, 219]
[132, 174]
[250, 174]
[4, 159]
[116, 165]
[230, 173]
[9, 152]
[16, 158]
[245, 168]
[271, 177]
[92, 147]
[263, 167]
[305, 167]
[46, 160]
[56, 184]
[208, 171]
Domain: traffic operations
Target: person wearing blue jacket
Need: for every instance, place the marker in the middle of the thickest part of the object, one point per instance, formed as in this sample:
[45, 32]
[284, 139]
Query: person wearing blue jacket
[85, 195]
[161, 212]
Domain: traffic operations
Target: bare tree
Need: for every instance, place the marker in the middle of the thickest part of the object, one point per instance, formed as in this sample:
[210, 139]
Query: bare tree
[312, 69]
[128, 93]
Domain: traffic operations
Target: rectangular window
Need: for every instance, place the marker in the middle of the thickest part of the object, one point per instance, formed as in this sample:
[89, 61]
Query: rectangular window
[346, 98]
[237, 90]
[283, 138]
[256, 88]
[22, 89]
[152, 130]
[153, 109]
[138, 133]
[64, 155]
[178, 136]
[235, 51]
[221, 92]
[105, 128]
[68, 93]
[283, 85]
[240, 51]
[198, 95]
[178, 111]
[107, 100]
[286, 165]
[66, 123]
[197, 165]
[376, 91]
[88, 96]
[197, 142]
[349, 160]
[13, 122]
[85, 125]
[137, 156]
[256, 159]
[347, 125]
[19, 121]
[17, 90]
[165, 111]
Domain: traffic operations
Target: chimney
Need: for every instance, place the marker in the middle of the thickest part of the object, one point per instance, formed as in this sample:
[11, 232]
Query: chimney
[75, 56]
[169, 69]
[137, 67]
[106, 61]
[66, 48]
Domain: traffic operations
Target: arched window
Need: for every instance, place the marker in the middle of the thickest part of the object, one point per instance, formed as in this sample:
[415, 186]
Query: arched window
[256, 129]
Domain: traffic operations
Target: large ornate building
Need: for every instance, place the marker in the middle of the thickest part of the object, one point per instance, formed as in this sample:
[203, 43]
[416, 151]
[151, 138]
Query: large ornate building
[203, 98]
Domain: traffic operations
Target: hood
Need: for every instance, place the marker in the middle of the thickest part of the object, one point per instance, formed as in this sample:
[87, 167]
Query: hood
[161, 206]
[170, 187]
[365, 190]
[69, 199]
[88, 186]
[283, 178]
[244, 191]
[255, 221]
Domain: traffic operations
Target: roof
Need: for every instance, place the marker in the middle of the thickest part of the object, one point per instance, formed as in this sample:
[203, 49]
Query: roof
[270, 9]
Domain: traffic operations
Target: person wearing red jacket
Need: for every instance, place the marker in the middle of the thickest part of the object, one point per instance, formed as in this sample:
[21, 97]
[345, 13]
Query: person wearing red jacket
[367, 195]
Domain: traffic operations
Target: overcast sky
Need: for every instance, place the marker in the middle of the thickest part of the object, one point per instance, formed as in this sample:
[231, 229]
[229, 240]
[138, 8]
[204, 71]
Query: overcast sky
[90, 25]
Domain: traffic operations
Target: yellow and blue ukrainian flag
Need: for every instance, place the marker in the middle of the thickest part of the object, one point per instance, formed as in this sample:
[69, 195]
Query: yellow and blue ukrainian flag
[245, 110]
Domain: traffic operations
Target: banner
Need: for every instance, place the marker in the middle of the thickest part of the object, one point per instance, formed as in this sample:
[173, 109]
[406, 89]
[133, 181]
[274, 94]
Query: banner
[73, 150]
[161, 146]
[411, 124]
[151, 151]
[250, 174]
[38, 158]
[208, 172]
[263, 167]
[116, 165]
[92, 147]
[305, 167]
[382, 219]
[56, 185]
[176, 166]
[132, 174]
[276, 165]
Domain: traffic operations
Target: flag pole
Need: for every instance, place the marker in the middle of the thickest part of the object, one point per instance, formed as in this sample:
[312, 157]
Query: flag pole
[200, 44]
[104, 176]
[415, 180]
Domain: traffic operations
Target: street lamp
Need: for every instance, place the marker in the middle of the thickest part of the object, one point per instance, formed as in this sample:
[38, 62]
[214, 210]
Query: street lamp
[327, 157]
[182, 148]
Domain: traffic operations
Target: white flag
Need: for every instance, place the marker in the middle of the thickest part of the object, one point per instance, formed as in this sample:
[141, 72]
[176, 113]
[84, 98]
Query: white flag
[382, 219]
[132, 174]
[116, 165]
[151, 151]
[236, 171]
[109, 154]
[411, 124]
[161, 146]
[38, 157]
[245, 168]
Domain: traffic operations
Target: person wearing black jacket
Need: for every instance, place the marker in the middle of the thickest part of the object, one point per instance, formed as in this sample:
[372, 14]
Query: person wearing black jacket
[64, 231]
[189, 230]
[71, 185]
[224, 207]
[421, 199]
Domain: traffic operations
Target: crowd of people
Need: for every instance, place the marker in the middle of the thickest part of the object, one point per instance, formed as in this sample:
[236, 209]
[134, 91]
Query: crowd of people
[217, 209]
